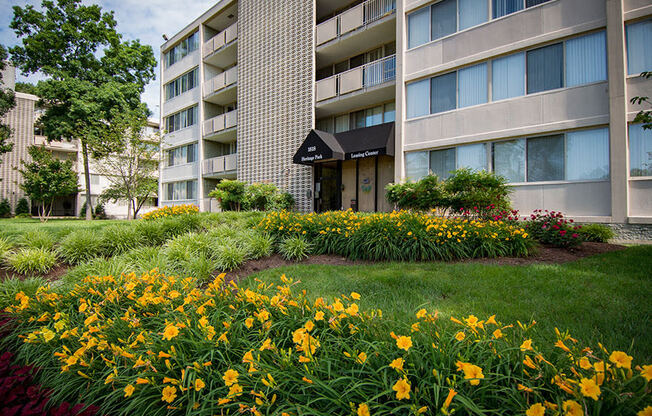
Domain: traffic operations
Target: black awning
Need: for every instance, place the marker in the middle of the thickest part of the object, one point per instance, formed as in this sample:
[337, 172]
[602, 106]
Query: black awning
[353, 144]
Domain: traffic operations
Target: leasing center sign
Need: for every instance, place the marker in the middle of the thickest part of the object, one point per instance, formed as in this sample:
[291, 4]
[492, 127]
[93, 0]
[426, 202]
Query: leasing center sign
[365, 153]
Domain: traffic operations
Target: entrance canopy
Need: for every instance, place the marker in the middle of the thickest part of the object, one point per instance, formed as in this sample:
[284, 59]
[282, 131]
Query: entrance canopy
[321, 146]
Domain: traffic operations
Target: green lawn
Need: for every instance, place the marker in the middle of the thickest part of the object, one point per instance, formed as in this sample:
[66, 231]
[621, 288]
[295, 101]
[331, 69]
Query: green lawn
[603, 298]
[15, 226]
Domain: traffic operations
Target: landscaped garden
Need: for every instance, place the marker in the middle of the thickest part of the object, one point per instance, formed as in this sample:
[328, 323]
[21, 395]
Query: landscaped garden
[399, 313]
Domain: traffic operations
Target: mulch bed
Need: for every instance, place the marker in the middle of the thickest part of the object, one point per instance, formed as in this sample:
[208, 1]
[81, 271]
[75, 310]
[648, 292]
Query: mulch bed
[54, 274]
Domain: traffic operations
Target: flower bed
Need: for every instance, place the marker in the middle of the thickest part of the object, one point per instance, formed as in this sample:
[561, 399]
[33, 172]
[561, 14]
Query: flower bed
[400, 235]
[155, 345]
[171, 211]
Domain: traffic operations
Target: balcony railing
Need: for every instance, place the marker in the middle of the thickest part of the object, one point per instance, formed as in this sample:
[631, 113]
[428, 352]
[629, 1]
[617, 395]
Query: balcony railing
[220, 164]
[355, 17]
[221, 81]
[365, 76]
[221, 122]
[64, 145]
[220, 40]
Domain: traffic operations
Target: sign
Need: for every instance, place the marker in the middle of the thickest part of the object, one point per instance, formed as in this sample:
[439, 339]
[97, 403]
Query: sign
[366, 153]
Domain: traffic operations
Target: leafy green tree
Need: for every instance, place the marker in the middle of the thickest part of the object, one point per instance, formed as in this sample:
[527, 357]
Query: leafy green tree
[230, 194]
[643, 116]
[46, 178]
[26, 87]
[7, 102]
[94, 76]
[22, 207]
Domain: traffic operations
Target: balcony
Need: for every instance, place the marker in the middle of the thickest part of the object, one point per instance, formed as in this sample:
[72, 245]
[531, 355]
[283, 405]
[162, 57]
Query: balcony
[221, 128]
[221, 89]
[59, 146]
[357, 87]
[221, 166]
[221, 50]
[370, 23]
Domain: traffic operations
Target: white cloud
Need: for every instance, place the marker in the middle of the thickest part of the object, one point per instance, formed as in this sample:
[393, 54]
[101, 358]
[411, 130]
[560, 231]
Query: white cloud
[146, 20]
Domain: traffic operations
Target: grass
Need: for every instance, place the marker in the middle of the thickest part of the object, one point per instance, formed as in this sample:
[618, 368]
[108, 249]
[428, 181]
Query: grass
[604, 298]
[14, 227]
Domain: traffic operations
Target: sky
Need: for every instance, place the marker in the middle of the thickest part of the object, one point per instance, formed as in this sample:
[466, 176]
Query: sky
[146, 20]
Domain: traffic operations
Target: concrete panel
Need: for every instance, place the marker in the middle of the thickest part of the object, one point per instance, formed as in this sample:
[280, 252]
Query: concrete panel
[576, 103]
[208, 48]
[231, 76]
[586, 199]
[348, 183]
[231, 162]
[180, 172]
[179, 137]
[385, 176]
[186, 64]
[326, 31]
[230, 119]
[219, 41]
[207, 127]
[218, 123]
[638, 87]
[231, 33]
[326, 88]
[182, 101]
[366, 184]
[352, 19]
[351, 80]
[640, 198]
[629, 5]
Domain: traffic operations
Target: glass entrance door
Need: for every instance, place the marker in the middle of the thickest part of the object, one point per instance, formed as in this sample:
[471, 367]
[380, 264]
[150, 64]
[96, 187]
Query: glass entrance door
[328, 180]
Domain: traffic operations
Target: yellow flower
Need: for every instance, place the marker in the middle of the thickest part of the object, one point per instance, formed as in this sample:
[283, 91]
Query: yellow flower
[448, 401]
[235, 390]
[585, 364]
[199, 384]
[48, 334]
[355, 296]
[460, 336]
[306, 379]
[536, 409]
[560, 344]
[645, 412]
[169, 394]
[473, 373]
[352, 309]
[362, 357]
[230, 377]
[492, 320]
[421, 314]
[526, 345]
[309, 326]
[129, 390]
[498, 333]
[397, 364]
[572, 408]
[589, 388]
[402, 389]
[140, 380]
[404, 342]
[170, 332]
[363, 410]
[646, 372]
[303, 359]
[319, 316]
[621, 359]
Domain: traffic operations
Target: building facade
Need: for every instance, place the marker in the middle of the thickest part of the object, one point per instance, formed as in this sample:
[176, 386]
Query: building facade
[359, 94]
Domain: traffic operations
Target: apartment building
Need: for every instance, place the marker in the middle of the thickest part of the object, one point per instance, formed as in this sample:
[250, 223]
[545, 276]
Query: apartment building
[332, 100]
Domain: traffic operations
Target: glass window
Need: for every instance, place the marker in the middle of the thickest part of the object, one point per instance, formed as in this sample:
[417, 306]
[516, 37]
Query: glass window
[473, 85]
[586, 59]
[640, 151]
[505, 7]
[442, 162]
[416, 165]
[530, 3]
[545, 158]
[325, 124]
[341, 123]
[390, 113]
[192, 152]
[509, 160]
[374, 116]
[472, 12]
[444, 19]
[545, 68]
[472, 156]
[508, 77]
[418, 98]
[443, 92]
[419, 27]
[639, 52]
[357, 120]
[191, 187]
[587, 154]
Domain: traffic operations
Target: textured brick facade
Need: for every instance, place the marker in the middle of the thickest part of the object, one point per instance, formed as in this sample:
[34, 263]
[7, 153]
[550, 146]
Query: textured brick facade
[275, 93]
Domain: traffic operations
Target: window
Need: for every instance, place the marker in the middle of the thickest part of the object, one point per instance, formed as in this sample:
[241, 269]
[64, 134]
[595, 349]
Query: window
[508, 76]
[418, 27]
[473, 85]
[472, 13]
[640, 151]
[473, 156]
[182, 155]
[95, 179]
[505, 7]
[418, 98]
[179, 191]
[181, 120]
[545, 68]
[416, 165]
[639, 53]
[342, 123]
[182, 84]
[182, 49]
[586, 59]
[357, 120]
[374, 116]
[390, 113]
[545, 158]
[587, 155]
[509, 160]
[443, 92]
[442, 162]
[443, 19]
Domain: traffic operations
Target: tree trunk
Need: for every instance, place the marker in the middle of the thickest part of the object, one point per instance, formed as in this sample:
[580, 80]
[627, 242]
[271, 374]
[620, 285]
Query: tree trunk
[129, 205]
[87, 177]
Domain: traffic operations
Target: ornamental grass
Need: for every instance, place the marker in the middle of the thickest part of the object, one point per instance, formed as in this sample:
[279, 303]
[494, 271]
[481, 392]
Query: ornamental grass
[160, 345]
[171, 211]
[400, 235]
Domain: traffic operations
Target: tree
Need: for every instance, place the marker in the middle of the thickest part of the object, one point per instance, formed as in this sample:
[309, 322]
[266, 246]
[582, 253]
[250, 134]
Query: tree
[94, 77]
[132, 174]
[26, 87]
[643, 116]
[7, 102]
[46, 178]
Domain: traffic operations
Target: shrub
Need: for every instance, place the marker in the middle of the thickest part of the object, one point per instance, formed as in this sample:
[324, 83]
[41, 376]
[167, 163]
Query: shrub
[423, 195]
[24, 215]
[259, 246]
[5, 246]
[5, 208]
[31, 261]
[82, 211]
[598, 233]
[152, 233]
[80, 246]
[209, 349]
[230, 194]
[100, 213]
[22, 207]
[187, 246]
[259, 196]
[551, 228]
[38, 238]
[173, 211]
[229, 257]
[295, 248]
[118, 239]
[477, 193]
[282, 201]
